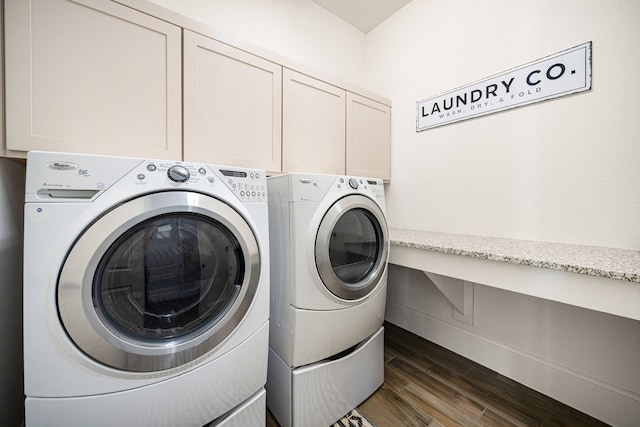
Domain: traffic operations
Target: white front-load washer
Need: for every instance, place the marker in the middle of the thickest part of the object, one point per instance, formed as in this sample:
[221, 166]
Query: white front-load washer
[330, 247]
[146, 292]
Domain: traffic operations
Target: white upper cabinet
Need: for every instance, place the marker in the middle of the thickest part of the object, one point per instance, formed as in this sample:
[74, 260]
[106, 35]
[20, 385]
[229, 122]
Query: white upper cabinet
[232, 106]
[91, 76]
[132, 79]
[368, 137]
[330, 130]
[313, 114]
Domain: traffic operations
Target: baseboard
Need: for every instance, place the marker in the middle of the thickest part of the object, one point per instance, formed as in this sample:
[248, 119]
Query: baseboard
[603, 401]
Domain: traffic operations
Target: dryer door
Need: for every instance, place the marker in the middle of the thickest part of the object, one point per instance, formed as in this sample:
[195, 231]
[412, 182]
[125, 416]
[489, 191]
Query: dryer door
[352, 247]
[159, 281]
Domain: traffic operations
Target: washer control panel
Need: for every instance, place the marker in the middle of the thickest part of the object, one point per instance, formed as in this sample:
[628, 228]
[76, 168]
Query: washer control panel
[246, 184]
[53, 176]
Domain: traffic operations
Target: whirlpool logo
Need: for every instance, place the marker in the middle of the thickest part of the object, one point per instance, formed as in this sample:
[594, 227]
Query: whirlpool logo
[561, 74]
[62, 166]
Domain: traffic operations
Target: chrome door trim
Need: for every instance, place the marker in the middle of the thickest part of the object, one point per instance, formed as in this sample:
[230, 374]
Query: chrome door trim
[74, 294]
[332, 282]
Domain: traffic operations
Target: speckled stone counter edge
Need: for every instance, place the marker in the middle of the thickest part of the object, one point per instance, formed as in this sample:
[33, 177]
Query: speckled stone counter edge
[612, 263]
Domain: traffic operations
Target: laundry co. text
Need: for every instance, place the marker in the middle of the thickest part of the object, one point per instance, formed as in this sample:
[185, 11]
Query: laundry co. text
[557, 75]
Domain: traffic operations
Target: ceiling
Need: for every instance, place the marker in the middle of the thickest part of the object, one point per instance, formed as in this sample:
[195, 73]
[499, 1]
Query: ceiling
[363, 14]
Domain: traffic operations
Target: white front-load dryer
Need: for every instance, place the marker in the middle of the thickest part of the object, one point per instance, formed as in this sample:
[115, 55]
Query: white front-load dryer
[146, 292]
[330, 248]
[330, 243]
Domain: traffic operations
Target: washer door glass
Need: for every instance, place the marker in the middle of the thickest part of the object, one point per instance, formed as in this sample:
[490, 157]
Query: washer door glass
[159, 281]
[168, 277]
[352, 247]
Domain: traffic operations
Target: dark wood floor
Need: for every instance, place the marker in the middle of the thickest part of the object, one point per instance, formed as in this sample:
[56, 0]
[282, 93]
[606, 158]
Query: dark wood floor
[428, 385]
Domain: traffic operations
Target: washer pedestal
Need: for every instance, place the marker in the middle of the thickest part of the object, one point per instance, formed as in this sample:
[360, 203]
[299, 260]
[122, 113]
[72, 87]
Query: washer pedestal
[320, 393]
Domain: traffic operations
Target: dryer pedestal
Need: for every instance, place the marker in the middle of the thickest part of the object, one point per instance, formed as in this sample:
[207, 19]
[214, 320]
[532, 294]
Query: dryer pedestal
[321, 393]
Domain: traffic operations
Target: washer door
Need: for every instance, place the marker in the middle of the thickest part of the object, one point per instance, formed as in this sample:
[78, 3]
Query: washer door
[159, 281]
[352, 247]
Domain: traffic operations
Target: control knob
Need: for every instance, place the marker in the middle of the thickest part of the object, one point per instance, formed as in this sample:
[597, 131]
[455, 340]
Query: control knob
[178, 173]
[353, 183]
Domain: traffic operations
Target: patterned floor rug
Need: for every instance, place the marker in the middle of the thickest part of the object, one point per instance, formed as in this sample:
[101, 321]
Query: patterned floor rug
[354, 419]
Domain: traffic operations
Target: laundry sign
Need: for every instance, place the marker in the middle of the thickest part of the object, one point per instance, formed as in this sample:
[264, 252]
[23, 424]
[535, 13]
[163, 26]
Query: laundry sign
[561, 74]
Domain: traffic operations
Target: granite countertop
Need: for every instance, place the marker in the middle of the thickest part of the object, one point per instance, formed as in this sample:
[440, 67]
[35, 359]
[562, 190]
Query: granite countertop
[612, 263]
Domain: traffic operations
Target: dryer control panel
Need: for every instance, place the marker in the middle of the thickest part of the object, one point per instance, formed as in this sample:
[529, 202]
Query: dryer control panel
[315, 187]
[374, 186]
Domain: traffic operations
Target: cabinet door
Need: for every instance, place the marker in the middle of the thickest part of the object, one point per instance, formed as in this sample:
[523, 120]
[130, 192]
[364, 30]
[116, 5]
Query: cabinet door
[368, 137]
[313, 129]
[91, 76]
[232, 106]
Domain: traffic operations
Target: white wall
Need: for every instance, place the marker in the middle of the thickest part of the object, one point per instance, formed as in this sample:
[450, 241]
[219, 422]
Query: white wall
[12, 176]
[564, 170]
[296, 29]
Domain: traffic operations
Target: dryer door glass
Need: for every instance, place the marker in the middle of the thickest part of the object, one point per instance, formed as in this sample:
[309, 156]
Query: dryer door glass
[352, 247]
[168, 277]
